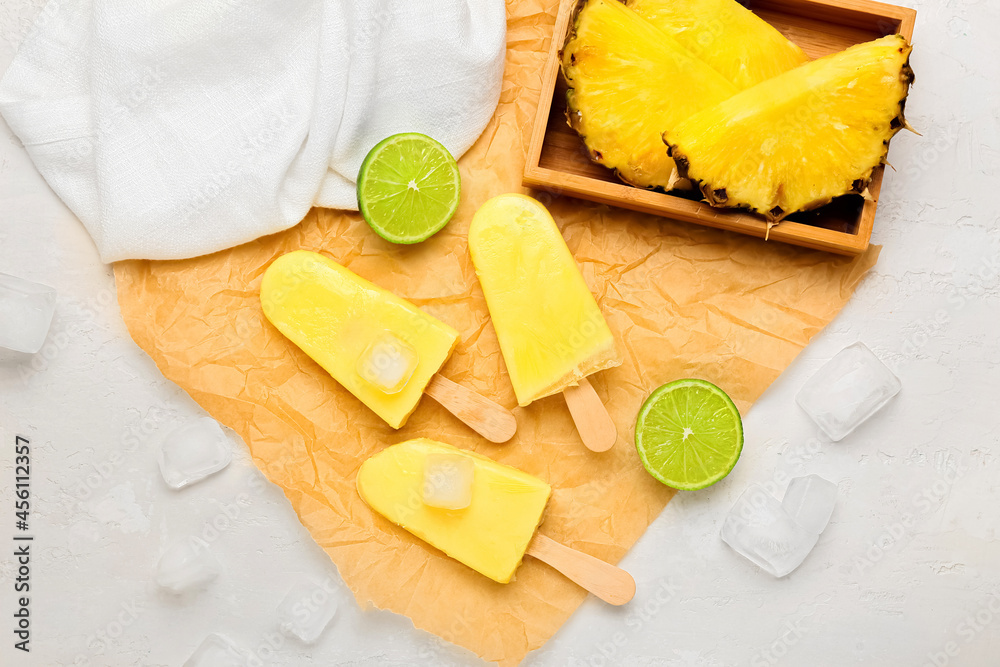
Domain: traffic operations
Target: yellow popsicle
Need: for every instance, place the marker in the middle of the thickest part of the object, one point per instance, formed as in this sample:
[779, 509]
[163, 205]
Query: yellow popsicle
[551, 331]
[383, 349]
[491, 535]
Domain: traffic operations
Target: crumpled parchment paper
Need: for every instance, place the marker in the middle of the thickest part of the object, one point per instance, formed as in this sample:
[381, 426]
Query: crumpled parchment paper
[683, 301]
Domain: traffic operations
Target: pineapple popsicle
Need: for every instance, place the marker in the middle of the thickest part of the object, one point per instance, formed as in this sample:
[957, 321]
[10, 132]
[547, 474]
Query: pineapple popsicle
[496, 527]
[381, 348]
[551, 330]
[491, 535]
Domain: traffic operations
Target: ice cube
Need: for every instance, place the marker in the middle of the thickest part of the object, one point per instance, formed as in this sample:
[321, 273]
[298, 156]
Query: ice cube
[759, 529]
[388, 363]
[185, 565]
[448, 481]
[809, 501]
[194, 451]
[217, 651]
[307, 610]
[849, 389]
[26, 310]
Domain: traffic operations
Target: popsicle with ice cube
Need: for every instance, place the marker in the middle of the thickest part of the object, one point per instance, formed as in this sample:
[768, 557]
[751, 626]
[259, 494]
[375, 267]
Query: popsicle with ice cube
[381, 348]
[497, 513]
[551, 330]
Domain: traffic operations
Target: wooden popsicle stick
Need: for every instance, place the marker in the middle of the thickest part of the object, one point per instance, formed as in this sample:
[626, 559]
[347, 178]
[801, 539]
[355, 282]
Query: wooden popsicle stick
[490, 420]
[608, 582]
[591, 417]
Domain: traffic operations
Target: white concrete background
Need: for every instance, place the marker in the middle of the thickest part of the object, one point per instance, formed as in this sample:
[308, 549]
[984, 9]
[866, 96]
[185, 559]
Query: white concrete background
[908, 570]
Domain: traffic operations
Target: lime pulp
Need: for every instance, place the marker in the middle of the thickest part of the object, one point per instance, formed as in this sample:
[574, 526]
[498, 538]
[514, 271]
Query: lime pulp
[689, 434]
[408, 188]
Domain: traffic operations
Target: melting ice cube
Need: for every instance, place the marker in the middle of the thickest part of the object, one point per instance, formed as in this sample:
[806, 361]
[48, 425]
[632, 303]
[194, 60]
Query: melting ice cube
[193, 452]
[759, 529]
[216, 651]
[448, 481]
[809, 501]
[26, 310]
[849, 389]
[307, 610]
[186, 565]
[388, 363]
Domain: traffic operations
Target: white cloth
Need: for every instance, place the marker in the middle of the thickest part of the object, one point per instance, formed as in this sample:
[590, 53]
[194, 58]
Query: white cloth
[175, 128]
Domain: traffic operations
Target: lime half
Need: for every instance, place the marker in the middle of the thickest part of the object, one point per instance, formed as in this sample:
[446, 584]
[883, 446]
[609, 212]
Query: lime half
[408, 188]
[689, 434]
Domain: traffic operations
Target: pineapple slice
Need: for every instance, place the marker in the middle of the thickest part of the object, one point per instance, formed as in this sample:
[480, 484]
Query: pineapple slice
[796, 141]
[629, 82]
[741, 46]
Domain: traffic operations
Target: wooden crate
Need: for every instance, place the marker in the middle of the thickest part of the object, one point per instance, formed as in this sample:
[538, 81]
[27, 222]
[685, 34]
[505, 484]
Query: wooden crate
[557, 161]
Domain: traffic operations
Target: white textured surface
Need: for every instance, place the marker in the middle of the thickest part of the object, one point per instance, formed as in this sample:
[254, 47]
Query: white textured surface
[909, 562]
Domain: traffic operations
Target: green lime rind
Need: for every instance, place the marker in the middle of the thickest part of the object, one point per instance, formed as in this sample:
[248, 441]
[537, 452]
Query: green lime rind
[689, 434]
[408, 188]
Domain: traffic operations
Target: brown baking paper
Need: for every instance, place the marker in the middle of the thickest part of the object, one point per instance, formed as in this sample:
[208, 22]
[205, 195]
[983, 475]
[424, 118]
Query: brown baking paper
[682, 300]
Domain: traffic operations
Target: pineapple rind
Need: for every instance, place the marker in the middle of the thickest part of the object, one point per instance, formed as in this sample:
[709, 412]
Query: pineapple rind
[796, 141]
[623, 75]
[729, 37]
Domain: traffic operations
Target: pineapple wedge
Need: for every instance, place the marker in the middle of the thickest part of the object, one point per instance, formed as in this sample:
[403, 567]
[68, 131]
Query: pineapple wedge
[729, 37]
[629, 81]
[796, 141]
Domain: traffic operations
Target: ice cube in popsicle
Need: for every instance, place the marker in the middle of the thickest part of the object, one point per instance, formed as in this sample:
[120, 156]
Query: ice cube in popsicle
[550, 328]
[497, 527]
[448, 481]
[381, 348]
